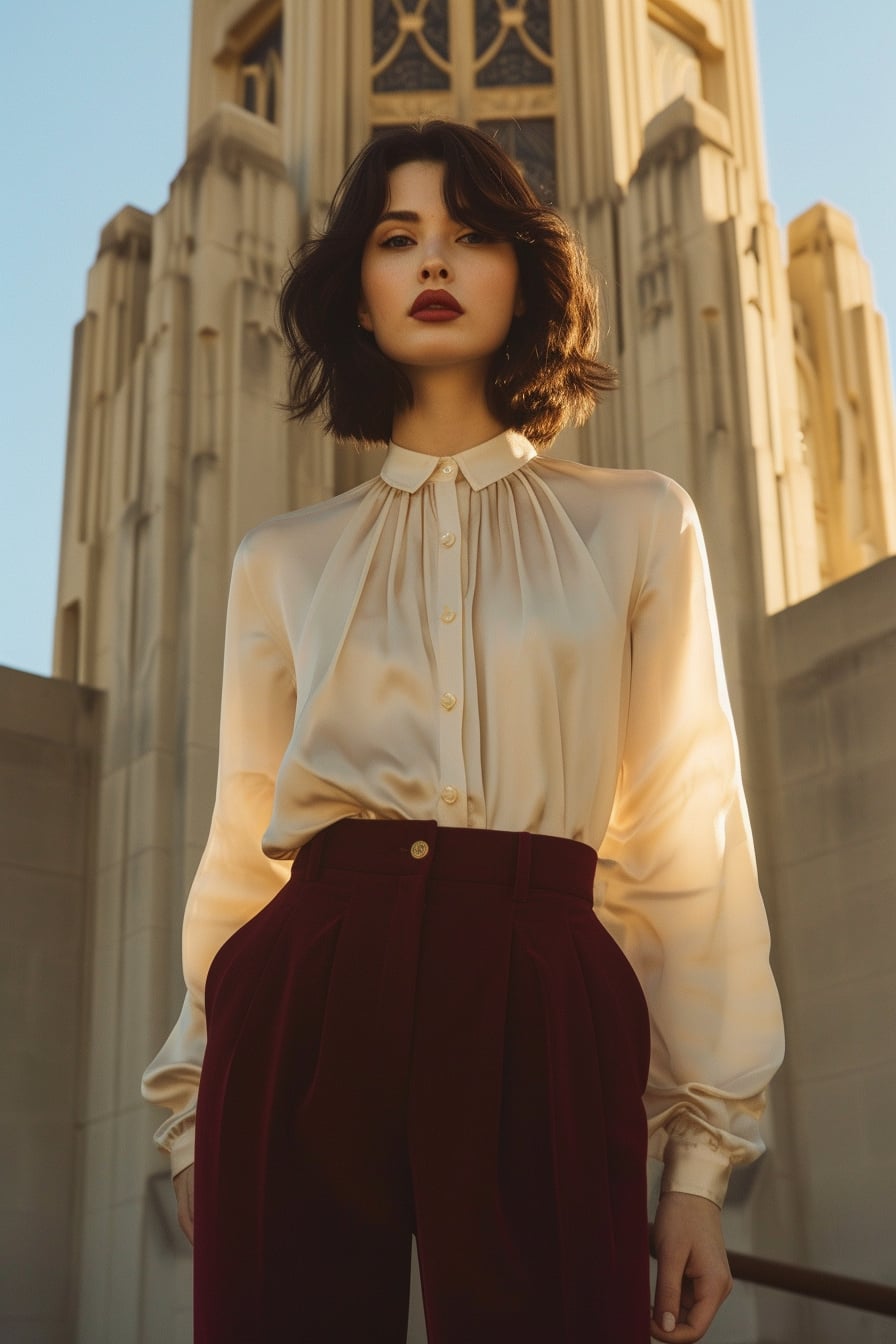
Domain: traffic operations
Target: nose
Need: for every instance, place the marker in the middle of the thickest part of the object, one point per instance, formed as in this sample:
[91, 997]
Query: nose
[434, 267]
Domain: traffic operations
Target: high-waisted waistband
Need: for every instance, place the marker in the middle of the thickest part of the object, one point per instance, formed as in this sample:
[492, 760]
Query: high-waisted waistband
[451, 853]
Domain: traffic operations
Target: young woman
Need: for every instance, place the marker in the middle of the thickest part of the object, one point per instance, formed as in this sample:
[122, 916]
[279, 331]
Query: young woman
[478, 910]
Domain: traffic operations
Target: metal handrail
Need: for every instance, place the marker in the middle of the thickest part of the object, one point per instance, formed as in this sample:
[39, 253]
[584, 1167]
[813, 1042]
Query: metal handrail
[862, 1294]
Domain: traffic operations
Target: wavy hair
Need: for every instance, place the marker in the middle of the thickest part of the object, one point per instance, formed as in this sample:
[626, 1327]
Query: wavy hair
[548, 373]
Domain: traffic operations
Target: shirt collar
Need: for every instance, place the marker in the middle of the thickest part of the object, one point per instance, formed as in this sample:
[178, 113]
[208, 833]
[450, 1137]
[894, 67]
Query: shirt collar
[481, 465]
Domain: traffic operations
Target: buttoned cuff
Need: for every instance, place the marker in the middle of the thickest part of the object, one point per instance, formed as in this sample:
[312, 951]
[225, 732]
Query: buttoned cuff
[695, 1169]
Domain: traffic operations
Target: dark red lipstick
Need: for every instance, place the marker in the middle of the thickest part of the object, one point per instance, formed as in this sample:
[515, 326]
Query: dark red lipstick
[436, 305]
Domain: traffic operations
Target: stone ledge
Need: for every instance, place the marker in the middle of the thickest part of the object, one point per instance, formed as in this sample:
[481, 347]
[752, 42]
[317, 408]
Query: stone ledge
[682, 127]
[238, 25]
[232, 136]
[837, 621]
[49, 708]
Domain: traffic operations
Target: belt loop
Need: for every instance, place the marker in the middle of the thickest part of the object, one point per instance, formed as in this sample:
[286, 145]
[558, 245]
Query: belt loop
[523, 865]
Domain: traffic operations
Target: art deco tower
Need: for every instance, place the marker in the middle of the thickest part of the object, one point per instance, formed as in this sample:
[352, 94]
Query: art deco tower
[640, 119]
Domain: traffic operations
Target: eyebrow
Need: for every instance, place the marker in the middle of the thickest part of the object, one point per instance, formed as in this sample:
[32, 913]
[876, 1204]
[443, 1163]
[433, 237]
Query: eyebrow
[403, 216]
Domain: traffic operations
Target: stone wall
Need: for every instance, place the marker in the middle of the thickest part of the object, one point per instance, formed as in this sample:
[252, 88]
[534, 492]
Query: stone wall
[834, 659]
[49, 734]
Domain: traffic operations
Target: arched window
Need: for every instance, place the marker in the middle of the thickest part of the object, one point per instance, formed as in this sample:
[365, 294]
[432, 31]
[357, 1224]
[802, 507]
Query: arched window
[687, 54]
[675, 67]
[261, 74]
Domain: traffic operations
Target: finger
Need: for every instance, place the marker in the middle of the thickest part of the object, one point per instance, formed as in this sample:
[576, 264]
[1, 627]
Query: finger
[710, 1291]
[699, 1316]
[667, 1298]
[682, 1334]
[657, 1332]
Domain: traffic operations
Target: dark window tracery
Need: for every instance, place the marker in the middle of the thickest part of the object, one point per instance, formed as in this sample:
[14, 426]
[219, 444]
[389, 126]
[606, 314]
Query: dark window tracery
[507, 88]
[410, 45]
[531, 144]
[513, 43]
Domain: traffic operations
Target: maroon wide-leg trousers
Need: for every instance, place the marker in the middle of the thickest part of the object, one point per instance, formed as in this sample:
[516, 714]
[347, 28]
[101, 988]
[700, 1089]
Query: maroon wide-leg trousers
[429, 1032]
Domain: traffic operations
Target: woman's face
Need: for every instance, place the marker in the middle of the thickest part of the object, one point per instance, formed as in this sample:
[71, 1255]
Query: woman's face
[434, 292]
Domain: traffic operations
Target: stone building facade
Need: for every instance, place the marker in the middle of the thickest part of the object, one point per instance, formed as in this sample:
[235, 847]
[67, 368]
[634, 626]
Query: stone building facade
[762, 388]
[50, 741]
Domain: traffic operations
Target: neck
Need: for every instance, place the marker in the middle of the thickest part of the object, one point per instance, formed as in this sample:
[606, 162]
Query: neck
[449, 412]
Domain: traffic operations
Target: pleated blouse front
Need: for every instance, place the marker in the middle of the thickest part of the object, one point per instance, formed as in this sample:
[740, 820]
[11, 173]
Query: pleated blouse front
[503, 640]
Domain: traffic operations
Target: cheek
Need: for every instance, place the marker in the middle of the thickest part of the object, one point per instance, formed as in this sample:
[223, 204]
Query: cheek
[366, 285]
[377, 288]
[505, 281]
[371, 270]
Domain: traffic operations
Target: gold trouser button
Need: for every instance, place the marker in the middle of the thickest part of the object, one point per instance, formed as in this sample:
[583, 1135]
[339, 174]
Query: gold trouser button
[419, 849]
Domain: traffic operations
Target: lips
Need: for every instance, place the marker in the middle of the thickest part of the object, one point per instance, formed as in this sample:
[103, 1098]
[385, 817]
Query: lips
[433, 301]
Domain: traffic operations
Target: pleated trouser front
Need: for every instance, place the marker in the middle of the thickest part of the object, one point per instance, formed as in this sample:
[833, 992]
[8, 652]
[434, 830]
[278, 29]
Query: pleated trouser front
[426, 1031]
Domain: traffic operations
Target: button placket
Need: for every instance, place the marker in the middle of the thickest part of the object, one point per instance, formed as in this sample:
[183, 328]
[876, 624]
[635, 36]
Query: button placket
[451, 807]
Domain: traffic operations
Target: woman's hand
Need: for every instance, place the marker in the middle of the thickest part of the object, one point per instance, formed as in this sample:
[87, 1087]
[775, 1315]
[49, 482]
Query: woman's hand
[693, 1278]
[183, 1189]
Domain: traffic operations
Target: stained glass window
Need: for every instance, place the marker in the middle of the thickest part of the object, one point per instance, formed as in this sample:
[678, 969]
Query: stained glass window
[410, 45]
[513, 43]
[530, 143]
[503, 81]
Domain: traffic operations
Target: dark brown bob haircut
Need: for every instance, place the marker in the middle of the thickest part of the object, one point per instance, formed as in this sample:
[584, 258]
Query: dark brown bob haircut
[547, 375]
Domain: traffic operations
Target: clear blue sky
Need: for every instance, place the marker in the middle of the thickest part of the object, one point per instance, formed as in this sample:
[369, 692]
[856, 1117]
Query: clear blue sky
[93, 104]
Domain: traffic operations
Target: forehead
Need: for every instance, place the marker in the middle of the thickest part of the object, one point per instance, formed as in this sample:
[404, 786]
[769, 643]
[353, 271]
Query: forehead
[418, 183]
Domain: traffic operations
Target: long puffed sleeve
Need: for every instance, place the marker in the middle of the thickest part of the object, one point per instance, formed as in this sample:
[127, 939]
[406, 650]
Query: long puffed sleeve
[235, 879]
[677, 883]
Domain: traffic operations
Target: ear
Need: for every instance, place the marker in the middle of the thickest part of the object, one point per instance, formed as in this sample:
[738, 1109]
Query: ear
[364, 319]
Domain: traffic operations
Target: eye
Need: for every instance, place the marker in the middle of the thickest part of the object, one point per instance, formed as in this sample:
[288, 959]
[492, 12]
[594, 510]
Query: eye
[397, 240]
[473, 238]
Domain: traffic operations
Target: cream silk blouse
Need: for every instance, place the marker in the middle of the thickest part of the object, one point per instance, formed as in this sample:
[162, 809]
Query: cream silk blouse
[504, 640]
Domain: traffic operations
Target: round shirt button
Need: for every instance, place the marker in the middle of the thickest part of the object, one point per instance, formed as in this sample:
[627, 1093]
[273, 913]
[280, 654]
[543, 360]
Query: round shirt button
[447, 538]
[447, 468]
[448, 701]
[419, 849]
[449, 794]
[448, 615]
